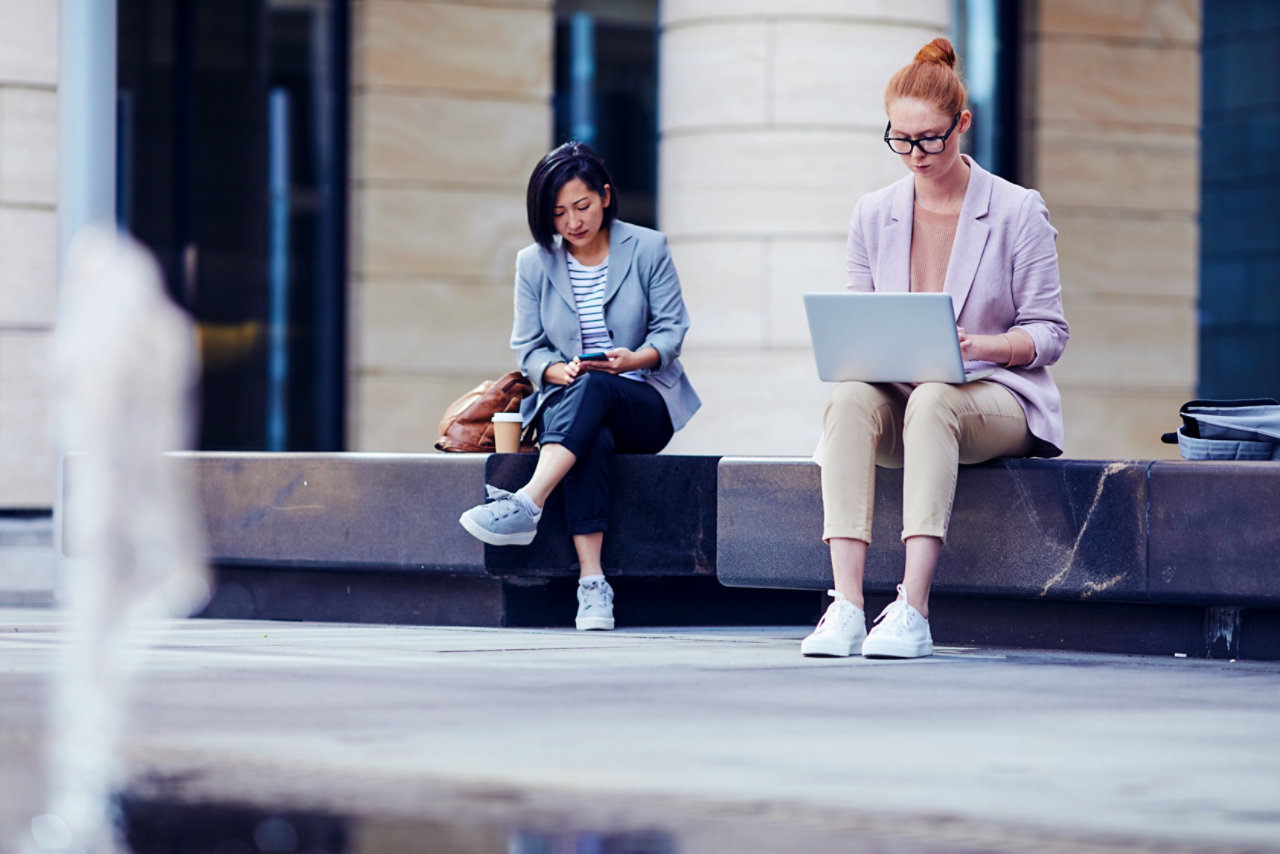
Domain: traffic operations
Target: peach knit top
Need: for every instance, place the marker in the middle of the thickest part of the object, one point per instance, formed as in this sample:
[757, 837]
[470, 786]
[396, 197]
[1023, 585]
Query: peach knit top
[931, 237]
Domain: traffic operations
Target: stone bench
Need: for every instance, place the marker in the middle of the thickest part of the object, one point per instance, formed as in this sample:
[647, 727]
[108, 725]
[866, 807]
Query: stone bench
[375, 538]
[1113, 556]
[1197, 542]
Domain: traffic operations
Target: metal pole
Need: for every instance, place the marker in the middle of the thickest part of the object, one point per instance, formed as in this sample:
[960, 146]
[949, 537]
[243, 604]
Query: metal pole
[86, 116]
[86, 163]
[278, 270]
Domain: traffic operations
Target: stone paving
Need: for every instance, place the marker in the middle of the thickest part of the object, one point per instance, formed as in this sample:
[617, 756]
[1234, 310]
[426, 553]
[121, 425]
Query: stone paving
[725, 739]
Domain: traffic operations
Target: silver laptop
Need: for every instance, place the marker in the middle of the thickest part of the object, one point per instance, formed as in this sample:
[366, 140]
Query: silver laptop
[886, 338]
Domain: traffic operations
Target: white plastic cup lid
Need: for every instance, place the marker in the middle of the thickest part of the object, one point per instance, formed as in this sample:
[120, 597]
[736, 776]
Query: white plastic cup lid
[507, 416]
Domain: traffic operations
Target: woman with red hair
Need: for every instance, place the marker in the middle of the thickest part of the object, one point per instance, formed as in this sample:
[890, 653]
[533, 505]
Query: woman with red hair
[948, 226]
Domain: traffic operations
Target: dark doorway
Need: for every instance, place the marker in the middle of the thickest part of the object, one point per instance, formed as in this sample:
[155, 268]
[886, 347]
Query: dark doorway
[987, 40]
[606, 79]
[232, 169]
[1239, 183]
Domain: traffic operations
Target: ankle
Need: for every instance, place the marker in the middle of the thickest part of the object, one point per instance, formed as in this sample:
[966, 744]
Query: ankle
[854, 598]
[921, 608]
[528, 502]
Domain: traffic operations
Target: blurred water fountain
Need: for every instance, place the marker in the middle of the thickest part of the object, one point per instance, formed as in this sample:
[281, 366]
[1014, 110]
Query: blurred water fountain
[126, 369]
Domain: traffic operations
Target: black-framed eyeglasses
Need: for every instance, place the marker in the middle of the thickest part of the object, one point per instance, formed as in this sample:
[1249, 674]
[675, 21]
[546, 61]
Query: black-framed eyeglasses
[928, 144]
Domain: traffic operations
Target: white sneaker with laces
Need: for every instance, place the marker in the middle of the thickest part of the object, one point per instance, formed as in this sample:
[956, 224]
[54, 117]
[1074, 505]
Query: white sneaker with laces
[595, 604]
[900, 632]
[840, 632]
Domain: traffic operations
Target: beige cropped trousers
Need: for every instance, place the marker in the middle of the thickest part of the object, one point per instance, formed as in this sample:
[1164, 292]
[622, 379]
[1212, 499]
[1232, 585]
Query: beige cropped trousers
[927, 430]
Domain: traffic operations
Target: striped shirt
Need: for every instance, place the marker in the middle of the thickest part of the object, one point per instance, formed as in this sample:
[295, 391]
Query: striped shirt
[588, 292]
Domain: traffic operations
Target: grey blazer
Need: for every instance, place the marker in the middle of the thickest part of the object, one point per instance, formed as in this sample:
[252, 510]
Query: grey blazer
[642, 308]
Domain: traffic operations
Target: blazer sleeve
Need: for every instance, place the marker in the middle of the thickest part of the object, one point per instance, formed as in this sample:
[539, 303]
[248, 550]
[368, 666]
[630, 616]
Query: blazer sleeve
[528, 336]
[1037, 289]
[857, 262]
[668, 318]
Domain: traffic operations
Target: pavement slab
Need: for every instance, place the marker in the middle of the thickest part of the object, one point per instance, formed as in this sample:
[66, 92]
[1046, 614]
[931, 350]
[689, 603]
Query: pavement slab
[720, 739]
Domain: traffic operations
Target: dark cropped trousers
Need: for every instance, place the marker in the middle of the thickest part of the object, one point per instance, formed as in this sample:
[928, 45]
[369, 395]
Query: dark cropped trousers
[596, 416]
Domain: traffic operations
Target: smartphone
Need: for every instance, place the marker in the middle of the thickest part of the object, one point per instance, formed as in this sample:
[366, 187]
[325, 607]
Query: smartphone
[593, 356]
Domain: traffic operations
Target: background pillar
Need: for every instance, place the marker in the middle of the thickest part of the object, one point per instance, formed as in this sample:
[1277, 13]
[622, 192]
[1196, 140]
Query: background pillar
[770, 130]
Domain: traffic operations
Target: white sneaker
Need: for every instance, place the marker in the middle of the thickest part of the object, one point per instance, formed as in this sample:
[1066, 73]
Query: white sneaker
[595, 604]
[899, 632]
[840, 632]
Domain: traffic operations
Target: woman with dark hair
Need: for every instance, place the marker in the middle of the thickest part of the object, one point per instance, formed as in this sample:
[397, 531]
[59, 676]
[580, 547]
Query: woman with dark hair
[599, 323]
[953, 227]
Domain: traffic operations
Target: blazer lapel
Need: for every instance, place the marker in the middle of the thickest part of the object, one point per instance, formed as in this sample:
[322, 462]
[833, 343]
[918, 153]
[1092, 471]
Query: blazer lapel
[622, 246]
[557, 267]
[971, 237]
[894, 269]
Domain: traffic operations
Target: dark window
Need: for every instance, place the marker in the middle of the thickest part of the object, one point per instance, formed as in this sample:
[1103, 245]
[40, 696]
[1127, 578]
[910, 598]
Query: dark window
[607, 91]
[232, 168]
[1239, 184]
[986, 40]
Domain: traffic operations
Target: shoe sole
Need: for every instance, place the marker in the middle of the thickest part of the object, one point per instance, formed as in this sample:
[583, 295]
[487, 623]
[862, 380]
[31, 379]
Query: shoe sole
[594, 624]
[885, 649]
[828, 649]
[486, 536]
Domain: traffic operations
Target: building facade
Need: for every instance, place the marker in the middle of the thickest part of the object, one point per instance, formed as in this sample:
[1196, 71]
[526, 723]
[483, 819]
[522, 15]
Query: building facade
[767, 130]
[28, 249]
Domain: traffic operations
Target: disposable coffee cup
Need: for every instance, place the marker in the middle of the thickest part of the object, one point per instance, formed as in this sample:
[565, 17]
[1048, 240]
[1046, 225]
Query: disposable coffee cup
[506, 432]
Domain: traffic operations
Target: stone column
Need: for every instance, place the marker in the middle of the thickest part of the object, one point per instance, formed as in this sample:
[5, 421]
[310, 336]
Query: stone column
[771, 125]
[28, 249]
[1111, 127]
[450, 112]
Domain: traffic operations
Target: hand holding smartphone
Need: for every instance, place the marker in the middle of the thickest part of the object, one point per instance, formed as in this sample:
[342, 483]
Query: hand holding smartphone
[593, 356]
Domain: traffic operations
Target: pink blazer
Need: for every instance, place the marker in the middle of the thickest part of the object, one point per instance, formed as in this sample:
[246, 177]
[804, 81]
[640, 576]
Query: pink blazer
[1003, 274]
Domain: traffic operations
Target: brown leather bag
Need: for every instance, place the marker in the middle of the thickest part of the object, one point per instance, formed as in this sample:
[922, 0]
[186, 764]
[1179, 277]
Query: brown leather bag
[467, 424]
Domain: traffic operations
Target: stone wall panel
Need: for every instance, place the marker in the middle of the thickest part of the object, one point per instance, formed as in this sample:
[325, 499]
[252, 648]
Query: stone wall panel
[769, 183]
[795, 268]
[28, 146]
[436, 325]
[28, 266]
[874, 12]
[28, 42]
[450, 111]
[1127, 256]
[446, 139]
[1136, 85]
[754, 401]
[1080, 172]
[469, 232]
[1146, 20]
[723, 282]
[1108, 424]
[819, 80]
[1129, 344]
[26, 419]
[454, 47]
[715, 76]
[400, 413]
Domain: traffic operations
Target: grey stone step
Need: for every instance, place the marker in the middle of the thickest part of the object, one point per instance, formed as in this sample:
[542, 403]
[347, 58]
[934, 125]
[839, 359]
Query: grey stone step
[1174, 532]
[1214, 532]
[26, 559]
[388, 512]
[375, 538]
[1118, 556]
